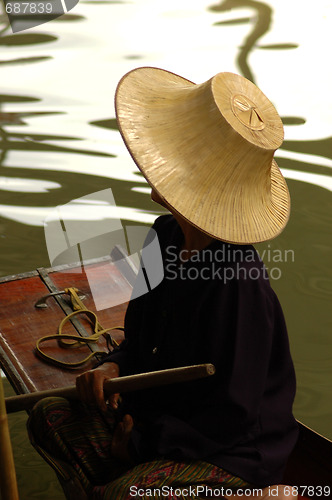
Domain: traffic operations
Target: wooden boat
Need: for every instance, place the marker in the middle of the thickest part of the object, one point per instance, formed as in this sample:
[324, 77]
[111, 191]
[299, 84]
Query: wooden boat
[22, 324]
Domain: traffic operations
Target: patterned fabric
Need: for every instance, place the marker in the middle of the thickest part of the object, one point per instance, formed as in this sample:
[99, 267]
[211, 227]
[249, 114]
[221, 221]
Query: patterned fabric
[68, 432]
[169, 480]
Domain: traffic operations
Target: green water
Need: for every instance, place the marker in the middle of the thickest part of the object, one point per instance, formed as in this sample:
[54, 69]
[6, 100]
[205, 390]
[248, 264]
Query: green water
[58, 142]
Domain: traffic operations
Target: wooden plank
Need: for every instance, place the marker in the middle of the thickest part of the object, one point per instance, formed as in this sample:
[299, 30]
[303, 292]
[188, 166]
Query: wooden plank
[11, 277]
[80, 323]
[111, 283]
[21, 324]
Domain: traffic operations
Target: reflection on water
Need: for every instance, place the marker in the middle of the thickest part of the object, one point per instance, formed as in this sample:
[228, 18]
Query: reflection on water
[260, 22]
[279, 46]
[26, 185]
[35, 142]
[26, 39]
[322, 147]
[59, 141]
[293, 120]
[110, 123]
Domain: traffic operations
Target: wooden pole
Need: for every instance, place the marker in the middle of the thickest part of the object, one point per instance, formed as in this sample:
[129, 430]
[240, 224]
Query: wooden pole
[8, 484]
[117, 385]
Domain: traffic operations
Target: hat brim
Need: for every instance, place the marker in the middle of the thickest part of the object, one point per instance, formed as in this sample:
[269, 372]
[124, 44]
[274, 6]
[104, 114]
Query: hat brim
[151, 112]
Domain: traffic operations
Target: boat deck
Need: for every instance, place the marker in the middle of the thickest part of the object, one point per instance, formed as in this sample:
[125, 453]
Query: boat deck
[22, 323]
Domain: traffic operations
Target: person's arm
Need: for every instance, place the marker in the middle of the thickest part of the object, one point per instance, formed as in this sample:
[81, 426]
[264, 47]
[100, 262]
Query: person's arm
[121, 361]
[90, 385]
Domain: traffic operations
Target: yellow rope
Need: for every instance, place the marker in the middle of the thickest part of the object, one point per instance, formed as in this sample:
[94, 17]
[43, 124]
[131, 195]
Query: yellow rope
[75, 340]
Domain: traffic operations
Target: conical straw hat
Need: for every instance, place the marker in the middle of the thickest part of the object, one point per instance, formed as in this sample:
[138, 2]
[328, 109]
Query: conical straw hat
[208, 150]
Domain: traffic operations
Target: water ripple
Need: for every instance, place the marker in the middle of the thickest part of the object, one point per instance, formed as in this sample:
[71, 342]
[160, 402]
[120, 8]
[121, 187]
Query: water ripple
[19, 185]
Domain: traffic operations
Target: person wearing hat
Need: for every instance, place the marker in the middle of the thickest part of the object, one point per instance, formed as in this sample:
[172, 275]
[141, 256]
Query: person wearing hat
[207, 152]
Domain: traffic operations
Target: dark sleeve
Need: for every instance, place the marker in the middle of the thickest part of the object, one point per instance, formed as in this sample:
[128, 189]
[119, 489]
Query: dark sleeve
[252, 343]
[248, 343]
[124, 355]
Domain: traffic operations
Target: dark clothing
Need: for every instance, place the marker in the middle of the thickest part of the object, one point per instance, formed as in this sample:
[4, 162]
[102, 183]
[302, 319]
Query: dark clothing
[219, 309]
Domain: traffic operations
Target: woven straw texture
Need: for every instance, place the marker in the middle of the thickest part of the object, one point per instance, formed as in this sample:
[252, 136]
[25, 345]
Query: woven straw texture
[208, 150]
